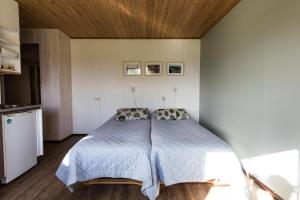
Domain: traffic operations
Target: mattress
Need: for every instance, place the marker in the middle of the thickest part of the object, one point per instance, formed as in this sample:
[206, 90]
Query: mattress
[118, 149]
[183, 152]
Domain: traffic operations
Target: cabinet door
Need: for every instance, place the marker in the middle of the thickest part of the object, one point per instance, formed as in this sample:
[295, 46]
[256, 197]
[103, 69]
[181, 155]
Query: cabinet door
[1, 153]
[39, 132]
[9, 15]
[19, 143]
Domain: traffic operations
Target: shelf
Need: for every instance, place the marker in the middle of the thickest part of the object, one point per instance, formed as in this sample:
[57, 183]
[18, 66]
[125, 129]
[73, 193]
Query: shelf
[9, 52]
[8, 57]
[9, 31]
[7, 71]
[6, 42]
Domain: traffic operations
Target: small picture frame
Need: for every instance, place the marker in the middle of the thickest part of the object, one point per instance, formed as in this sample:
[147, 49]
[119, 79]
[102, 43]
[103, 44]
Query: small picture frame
[175, 68]
[132, 68]
[153, 68]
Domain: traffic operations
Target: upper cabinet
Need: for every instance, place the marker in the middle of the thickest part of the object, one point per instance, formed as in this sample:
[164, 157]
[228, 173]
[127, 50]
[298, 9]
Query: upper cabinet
[9, 15]
[9, 37]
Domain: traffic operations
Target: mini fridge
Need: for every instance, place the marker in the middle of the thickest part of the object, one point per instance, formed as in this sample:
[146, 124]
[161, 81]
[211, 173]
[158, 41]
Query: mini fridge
[20, 143]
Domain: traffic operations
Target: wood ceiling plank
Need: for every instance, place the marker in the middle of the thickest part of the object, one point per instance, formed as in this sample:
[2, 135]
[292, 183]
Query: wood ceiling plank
[157, 23]
[125, 18]
[194, 15]
[175, 24]
[166, 24]
[182, 20]
[96, 17]
[149, 17]
[134, 10]
[207, 8]
[73, 18]
[119, 22]
[109, 21]
[129, 16]
[83, 11]
[163, 19]
[138, 9]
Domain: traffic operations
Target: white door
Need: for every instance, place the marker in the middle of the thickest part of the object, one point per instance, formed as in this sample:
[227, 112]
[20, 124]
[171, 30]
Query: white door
[20, 143]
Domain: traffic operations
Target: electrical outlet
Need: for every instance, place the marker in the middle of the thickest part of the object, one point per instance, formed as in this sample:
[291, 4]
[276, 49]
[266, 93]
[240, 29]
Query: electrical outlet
[174, 89]
[132, 89]
[97, 98]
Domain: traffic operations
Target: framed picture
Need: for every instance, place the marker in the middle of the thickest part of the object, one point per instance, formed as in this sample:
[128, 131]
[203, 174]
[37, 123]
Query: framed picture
[153, 68]
[132, 68]
[175, 68]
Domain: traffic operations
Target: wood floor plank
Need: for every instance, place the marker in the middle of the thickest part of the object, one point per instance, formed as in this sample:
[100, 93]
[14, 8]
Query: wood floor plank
[41, 183]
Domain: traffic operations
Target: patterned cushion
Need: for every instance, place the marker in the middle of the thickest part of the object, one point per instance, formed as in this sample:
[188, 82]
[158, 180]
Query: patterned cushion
[132, 114]
[171, 114]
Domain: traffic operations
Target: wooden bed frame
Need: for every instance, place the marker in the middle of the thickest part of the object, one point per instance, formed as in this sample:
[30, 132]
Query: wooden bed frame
[112, 181]
[125, 181]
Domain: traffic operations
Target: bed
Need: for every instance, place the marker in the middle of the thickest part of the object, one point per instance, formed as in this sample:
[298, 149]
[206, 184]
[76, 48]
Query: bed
[185, 152]
[118, 150]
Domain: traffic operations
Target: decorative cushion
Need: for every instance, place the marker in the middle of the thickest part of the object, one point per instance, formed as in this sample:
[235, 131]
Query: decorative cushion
[132, 114]
[171, 114]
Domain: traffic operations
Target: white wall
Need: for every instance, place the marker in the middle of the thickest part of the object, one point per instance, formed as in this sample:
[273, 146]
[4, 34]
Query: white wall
[97, 71]
[250, 89]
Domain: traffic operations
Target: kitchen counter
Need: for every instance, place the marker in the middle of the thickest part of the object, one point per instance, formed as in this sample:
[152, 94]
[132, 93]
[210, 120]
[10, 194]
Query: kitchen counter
[19, 109]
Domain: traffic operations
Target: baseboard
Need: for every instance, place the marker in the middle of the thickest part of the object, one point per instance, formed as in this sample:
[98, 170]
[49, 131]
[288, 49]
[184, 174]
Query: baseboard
[72, 135]
[80, 134]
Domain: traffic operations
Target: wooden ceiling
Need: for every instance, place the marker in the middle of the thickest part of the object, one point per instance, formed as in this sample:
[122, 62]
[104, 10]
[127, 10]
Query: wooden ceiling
[125, 18]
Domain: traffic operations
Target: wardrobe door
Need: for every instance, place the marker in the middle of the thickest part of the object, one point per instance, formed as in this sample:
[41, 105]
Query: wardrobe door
[55, 76]
[65, 113]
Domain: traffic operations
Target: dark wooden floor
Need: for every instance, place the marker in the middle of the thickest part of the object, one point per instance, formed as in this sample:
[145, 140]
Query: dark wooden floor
[41, 183]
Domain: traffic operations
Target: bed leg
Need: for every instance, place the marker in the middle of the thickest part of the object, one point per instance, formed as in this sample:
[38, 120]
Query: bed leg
[162, 186]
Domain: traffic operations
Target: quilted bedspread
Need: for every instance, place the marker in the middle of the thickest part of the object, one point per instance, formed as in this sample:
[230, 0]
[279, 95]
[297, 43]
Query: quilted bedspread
[118, 149]
[183, 151]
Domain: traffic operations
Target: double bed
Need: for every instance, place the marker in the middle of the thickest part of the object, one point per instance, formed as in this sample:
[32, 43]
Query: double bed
[151, 152]
[118, 149]
[185, 152]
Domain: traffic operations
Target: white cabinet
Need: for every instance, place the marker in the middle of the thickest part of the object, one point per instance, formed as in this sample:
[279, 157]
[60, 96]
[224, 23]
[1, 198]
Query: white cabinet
[39, 132]
[19, 144]
[22, 142]
[9, 15]
[9, 37]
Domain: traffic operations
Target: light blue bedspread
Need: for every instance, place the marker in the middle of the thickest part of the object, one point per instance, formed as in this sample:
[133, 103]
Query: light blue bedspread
[118, 149]
[183, 151]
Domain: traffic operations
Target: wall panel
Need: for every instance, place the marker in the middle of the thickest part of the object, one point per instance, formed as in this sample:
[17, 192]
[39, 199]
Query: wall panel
[97, 71]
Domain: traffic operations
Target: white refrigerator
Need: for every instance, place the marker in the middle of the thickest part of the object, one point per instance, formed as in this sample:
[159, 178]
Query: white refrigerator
[22, 142]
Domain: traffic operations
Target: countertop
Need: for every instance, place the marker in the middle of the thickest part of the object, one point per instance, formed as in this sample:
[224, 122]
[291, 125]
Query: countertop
[19, 109]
